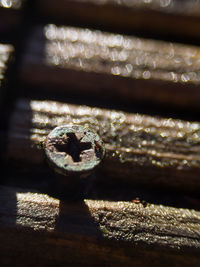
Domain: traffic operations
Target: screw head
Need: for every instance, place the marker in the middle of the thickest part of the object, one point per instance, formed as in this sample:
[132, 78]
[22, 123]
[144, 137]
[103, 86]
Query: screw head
[74, 149]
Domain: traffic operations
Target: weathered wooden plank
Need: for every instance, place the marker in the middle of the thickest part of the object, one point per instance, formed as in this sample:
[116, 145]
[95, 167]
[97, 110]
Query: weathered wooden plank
[6, 52]
[87, 62]
[10, 14]
[139, 148]
[38, 229]
[164, 17]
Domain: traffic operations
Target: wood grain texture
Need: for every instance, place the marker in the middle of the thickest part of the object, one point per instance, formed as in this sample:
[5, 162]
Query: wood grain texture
[175, 17]
[42, 230]
[6, 53]
[112, 66]
[10, 13]
[139, 148]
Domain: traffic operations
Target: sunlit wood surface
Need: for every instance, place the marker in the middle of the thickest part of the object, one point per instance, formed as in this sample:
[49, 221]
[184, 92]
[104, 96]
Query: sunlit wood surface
[139, 148]
[112, 66]
[94, 232]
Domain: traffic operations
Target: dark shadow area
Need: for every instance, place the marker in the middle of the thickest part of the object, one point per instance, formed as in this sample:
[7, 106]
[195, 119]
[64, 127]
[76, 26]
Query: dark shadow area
[145, 108]
[111, 190]
[81, 20]
[45, 180]
[8, 207]
[75, 216]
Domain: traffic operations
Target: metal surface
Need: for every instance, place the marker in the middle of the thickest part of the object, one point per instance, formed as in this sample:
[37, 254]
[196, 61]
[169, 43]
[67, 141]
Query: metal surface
[74, 149]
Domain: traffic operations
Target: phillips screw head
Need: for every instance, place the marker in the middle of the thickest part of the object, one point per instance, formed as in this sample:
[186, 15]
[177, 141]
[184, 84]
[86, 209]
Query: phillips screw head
[74, 150]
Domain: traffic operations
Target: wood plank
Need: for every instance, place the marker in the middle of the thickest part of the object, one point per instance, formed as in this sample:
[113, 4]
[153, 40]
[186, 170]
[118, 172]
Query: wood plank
[6, 54]
[174, 17]
[38, 229]
[10, 13]
[111, 66]
[140, 149]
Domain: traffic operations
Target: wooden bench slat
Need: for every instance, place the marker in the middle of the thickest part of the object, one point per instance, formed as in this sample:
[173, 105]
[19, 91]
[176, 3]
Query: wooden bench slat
[139, 148]
[112, 232]
[74, 60]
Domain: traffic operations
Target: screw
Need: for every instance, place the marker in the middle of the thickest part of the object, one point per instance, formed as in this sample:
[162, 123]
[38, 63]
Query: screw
[73, 151]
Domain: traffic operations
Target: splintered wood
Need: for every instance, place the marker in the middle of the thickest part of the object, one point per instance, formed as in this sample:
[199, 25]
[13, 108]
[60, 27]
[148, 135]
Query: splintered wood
[165, 17]
[9, 14]
[87, 62]
[81, 233]
[5, 56]
[139, 149]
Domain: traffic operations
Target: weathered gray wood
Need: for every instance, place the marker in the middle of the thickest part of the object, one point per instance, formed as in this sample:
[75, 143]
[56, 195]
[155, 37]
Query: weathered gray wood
[175, 17]
[93, 63]
[139, 149]
[38, 229]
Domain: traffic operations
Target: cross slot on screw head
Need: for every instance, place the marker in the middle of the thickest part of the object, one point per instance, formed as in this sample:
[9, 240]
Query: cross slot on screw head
[74, 149]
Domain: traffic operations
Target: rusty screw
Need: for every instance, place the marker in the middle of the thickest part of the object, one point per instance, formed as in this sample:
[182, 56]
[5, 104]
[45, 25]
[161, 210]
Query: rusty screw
[73, 151]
